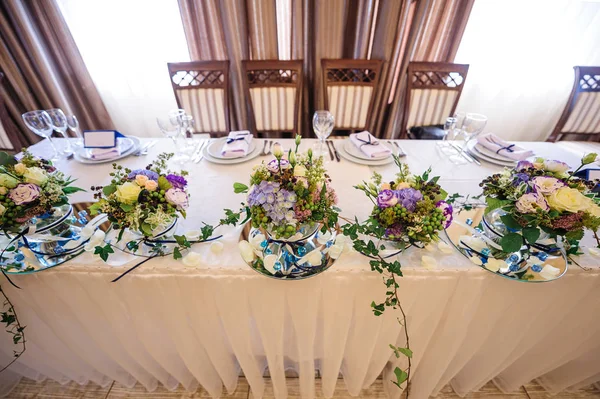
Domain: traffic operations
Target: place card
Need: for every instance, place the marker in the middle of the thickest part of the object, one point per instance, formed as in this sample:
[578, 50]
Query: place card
[100, 138]
[589, 174]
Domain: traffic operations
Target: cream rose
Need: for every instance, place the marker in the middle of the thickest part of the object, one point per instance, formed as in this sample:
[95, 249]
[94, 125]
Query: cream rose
[402, 185]
[35, 176]
[20, 169]
[385, 186]
[141, 180]
[299, 171]
[569, 199]
[128, 193]
[151, 185]
[3, 190]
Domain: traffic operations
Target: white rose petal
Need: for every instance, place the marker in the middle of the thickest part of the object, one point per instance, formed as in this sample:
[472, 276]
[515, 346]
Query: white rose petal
[192, 235]
[335, 251]
[256, 240]
[87, 231]
[246, 251]
[96, 239]
[313, 258]
[216, 247]
[549, 272]
[476, 260]
[430, 247]
[594, 251]
[476, 243]
[445, 248]
[192, 259]
[269, 263]
[494, 264]
[428, 262]
[323, 238]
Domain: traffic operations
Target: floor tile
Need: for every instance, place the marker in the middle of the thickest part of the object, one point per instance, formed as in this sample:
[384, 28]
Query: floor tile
[536, 391]
[30, 389]
[119, 391]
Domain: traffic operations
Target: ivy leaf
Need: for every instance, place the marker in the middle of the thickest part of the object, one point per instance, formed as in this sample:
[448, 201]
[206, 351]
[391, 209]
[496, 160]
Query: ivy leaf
[177, 254]
[16, 339]
[71, 190]
[401, 376]
[494, 203]
[104, 251]
[182, 241]
[207, 231]
[239, 188]
[511, 242]
[531, 234]
[406, 352]
[108, 190]
[510, 222]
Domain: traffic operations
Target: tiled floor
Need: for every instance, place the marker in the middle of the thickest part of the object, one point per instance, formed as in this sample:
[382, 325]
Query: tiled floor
[28, 389]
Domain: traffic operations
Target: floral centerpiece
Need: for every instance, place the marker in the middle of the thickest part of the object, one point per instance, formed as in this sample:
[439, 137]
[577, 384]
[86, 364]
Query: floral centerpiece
[30, 187]
[290, 198]
[147, 201]
[542, 198]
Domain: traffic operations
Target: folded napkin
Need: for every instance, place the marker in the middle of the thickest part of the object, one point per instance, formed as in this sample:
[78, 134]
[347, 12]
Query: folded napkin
[369, 145]
[103, 153]
[237, 144]
[504, 148]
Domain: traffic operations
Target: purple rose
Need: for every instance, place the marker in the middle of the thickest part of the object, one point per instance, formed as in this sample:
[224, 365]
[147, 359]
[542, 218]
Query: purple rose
[546, 185]
[387, 198]
[24, 193]
[409, 197]
[177, 181]
[274, 165]
[523, 165]
[447, 211]
[177, 197]
[144, 172]
[528, 203]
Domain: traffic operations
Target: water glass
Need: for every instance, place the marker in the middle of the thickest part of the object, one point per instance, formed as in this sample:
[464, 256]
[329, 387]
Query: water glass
[171, 128]
[323, 123]
[473, 125]
[59, 123]
[39, 122]
[73, 124]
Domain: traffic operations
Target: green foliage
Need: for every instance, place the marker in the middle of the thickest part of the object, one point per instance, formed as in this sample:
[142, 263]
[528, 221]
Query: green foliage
[9, 318]
[531, 234]
[70, 190]
[177, 254]
[240, 188]
[108, 190]
[401, 376]
[163, 183]
[510, 222]
[7, 159]
[495, 203]
[104, 251]
[511, 242]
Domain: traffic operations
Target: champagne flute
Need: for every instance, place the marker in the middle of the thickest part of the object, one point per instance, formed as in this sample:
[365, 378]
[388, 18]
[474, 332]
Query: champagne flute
[39, 122]
[323, 126]
[73, 124]
[59, 123]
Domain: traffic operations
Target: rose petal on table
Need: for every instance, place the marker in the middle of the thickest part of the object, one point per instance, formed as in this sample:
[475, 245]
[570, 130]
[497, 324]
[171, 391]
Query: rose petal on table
[445, 248]
[216, 247]
[428, 262]
[323, 238]
[246, 251]
[430, 247]
[494, 264]
[549, 272]
[192, 235]
[269, 263]
[476, 260]
[594, 251]
[192, 259]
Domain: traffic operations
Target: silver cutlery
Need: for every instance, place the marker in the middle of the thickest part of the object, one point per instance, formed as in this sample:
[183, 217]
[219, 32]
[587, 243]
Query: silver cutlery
[330, 152]
[268, 149]
[200, 155]
[466, 156]
[145, 148]
[264, 150]
[400, 151]
[335, 151]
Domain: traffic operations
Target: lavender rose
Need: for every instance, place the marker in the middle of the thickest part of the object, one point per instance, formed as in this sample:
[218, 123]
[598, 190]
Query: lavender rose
[24, 193]
[409, 197]
[523, 165]
[387, 198]
[546, 185]
[274, 165]
[144, 172]
[447, 211]
[177, 181]
[556, 166]
[528, 203]
[177, 197]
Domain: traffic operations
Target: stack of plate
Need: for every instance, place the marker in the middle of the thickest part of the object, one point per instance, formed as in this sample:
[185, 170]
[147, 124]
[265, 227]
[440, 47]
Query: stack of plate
[482, 153]
[351, 153]
[212, 152]
[126, 146]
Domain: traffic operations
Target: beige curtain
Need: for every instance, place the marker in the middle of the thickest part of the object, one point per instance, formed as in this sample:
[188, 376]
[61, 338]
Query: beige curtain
[43, 67]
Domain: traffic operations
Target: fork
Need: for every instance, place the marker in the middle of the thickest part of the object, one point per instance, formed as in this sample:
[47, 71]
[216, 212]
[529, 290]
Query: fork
[400, 151]
[145, 148]
[265, 151]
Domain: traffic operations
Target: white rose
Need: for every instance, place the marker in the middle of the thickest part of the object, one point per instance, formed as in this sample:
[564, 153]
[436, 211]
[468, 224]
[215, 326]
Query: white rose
[141, 180]
[313, 258]
[323, 238]
[95, 240]
[246, 251]
[192, 259]
[35, 176]
[335, 251]
[20, 169]
[299, 171]
[256, 240]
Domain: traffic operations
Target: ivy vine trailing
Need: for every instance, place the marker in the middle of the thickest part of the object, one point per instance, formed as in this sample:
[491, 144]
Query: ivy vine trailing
[13, 327]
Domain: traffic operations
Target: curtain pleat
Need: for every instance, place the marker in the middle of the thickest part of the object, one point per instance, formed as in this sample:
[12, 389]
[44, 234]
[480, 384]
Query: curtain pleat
[262, 21]
[44, 68]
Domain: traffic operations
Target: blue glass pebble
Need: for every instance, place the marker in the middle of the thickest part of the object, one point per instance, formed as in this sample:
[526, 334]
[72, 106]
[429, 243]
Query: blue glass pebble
[268, 251]
[21, 244]
[513, 259]
[328, 244]
[82, 214]
[542, 256]
[277, 266]
[484, 260]
[264, 244]
[514, 267]
[477, 229]
[59, 250]
[486, 252]
[469, 221]
[82, 220]
[301, 251]
[511, 230]
[33, 220]
[19, 257]
[536, 268]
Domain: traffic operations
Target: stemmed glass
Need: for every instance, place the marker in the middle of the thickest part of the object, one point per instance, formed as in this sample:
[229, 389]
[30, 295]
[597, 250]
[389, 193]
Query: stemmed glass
[472, 125]
[170, 127]
[73, 124]
[322, 125]
[186, 122]
[39, 122]
[59, 123]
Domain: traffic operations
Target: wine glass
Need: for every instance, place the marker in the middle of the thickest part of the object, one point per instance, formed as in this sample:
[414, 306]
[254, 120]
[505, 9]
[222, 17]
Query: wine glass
[322, 125]
[177, 114]
[59, 123]
[472, 125]
[171, 127]
[73, 124]
[39, 122]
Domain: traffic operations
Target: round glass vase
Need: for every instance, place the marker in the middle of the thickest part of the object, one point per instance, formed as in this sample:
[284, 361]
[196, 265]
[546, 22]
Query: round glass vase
[146, 245]
[494, 228]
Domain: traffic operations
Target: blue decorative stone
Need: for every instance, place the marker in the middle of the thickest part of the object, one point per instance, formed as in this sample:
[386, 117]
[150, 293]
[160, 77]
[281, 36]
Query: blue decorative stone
[469, 221]
[82, 214]
[268, 251]
[59, 250]
[536, 268]
[511, 230]
[21, 244]
[513, 259]
[277, 266]
[486, 252]
[513, 267]
[19, 257]
[328, 244]
[264, 244]
[542, 256]
[33, 220]
[301, 251]
[484, 260]
[477, 229]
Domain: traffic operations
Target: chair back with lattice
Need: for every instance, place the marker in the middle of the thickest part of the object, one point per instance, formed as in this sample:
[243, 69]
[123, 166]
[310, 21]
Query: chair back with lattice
[349, 90]
[581, 116]
[273, 89]
[202, 89]
[433, 91]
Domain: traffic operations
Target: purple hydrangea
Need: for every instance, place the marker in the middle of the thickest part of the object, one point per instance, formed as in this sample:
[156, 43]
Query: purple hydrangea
[144, 172]
[387, 198]
[277, 203]
[409, 197]
[177, 181]
[447, 211]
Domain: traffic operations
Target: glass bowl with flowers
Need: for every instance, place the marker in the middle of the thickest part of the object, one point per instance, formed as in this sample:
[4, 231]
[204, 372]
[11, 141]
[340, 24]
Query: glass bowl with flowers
[291, 207]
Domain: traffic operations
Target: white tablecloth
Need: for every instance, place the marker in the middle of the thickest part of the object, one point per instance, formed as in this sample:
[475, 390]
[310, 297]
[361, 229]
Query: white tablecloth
[172, 324]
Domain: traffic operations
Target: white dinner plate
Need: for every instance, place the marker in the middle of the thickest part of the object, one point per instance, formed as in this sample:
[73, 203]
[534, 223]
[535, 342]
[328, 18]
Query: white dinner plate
[479, 155]
[351, 149]
[131, 149]
[215, 148]
[230, 161]
[366, 161]
[491, 154]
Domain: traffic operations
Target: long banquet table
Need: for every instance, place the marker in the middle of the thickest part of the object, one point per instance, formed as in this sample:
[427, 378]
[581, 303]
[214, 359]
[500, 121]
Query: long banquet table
[171, 324]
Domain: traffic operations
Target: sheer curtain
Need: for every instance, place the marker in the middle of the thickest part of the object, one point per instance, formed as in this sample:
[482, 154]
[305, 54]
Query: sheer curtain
[126, 45]
[522, 54]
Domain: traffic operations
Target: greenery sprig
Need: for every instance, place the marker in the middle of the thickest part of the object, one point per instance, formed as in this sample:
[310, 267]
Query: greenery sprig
[13, 327]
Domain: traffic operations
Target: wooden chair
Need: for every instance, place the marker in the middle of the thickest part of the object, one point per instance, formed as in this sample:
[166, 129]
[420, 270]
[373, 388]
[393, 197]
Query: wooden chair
[433, 91]
[9, 132]
[273, 89]
[202, 89]
[581, 115]
[349, 90]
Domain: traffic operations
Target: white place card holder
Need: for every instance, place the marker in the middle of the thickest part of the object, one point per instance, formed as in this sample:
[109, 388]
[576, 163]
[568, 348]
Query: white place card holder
[100, 138]
[592, 174]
